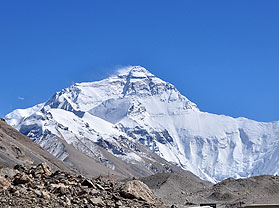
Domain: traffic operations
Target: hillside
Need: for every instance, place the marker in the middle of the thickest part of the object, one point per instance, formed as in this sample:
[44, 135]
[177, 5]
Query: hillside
[188, 190]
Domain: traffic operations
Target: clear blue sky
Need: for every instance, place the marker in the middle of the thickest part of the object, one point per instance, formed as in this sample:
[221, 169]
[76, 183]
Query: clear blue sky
[222, 55]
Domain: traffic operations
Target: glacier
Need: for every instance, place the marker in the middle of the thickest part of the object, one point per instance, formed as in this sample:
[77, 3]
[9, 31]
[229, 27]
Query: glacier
[140, 107]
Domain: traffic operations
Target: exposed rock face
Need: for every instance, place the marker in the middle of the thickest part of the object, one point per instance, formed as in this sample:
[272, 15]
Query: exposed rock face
[37, 186]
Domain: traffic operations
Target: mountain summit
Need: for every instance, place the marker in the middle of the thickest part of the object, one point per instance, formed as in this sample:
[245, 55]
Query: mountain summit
[135, 108]
[134, 71]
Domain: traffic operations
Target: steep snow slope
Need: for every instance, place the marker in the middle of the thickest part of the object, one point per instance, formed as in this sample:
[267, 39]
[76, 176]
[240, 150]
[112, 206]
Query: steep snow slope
[138, 106]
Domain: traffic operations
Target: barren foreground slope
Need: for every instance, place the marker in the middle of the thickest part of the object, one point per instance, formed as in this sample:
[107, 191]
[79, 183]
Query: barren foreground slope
[185, 191]
[17, 149]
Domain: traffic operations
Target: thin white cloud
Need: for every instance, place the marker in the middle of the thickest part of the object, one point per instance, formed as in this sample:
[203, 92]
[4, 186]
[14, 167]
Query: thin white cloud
[20, 98]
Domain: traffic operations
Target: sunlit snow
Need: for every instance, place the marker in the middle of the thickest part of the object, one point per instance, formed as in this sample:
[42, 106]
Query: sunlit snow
[141, 107]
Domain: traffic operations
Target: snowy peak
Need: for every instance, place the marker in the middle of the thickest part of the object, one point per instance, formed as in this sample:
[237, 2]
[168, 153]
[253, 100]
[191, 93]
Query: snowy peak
[133, 83]
[136, 105]
[134, 72]
[137, 81]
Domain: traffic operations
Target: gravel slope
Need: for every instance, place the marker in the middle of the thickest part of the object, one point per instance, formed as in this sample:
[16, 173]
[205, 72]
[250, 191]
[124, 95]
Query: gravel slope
[186, 190]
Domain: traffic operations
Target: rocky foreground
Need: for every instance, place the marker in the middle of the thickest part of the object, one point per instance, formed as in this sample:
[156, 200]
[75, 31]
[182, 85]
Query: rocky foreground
[38, 186]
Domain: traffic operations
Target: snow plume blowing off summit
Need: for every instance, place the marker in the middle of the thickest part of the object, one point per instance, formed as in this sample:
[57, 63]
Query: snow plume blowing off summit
[138, 106]
[123, 70]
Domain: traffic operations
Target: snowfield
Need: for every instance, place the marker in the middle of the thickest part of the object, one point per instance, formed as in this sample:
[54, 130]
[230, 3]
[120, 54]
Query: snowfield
[142, 108]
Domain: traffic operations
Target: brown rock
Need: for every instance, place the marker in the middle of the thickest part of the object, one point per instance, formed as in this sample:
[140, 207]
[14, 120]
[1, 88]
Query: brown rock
[21, 178]
[87, 183]
[93, 191]
[42, 169]
[53, 186]
[139, 190]
[37, 192]
[100, 187]
[20, 168]
[118, 203]
[68, 201]
[72, 180]
[45, 195]
[60, 189]
[4, 183]
[97, 201]
[10, 172]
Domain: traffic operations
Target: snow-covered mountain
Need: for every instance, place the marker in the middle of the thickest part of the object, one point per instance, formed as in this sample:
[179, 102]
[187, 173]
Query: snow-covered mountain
[135, 107]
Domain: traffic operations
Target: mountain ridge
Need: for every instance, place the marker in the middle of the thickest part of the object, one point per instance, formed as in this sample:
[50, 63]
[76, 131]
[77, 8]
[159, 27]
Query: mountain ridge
[140, 107]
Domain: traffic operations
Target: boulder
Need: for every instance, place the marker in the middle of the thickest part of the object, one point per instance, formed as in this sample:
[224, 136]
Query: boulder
[97, 201]
[59, 185]
[87, 182]
[100, 187]
[68, 201]
[20, 168]
[21, 178]
[139, 190]
[4, 183]
[9, 172]
[42, 169]
[45, 195]
[60, 189]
